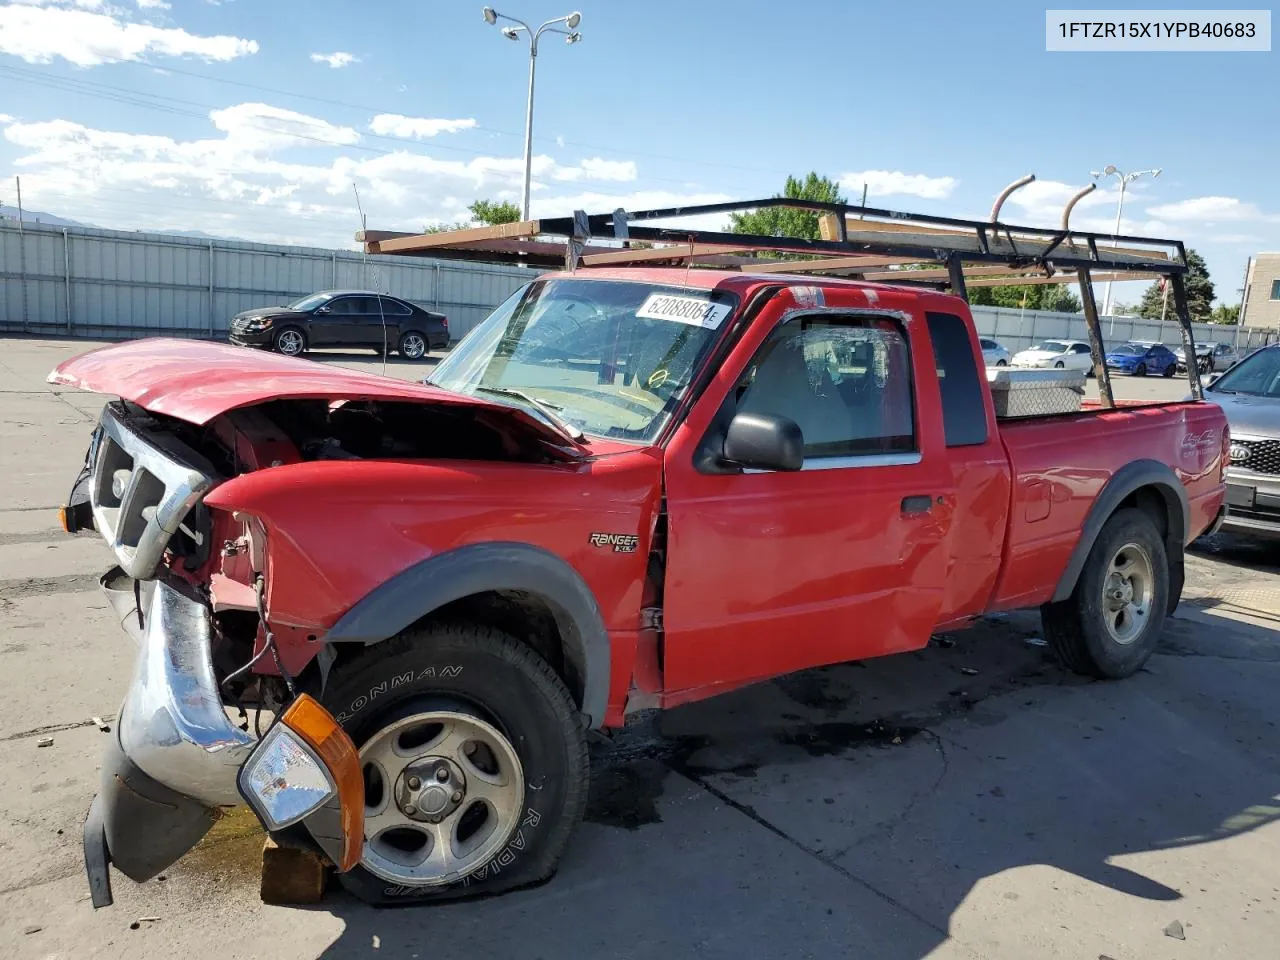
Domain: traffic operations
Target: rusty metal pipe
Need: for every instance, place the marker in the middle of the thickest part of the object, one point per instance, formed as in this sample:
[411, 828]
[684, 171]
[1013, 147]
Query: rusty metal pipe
[1004, 195]
[1066, 211]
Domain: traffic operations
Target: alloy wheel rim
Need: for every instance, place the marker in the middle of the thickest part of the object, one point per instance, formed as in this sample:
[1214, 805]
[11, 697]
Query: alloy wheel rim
[414, 346]
[290, 342]
[444, 791]
[1128, 591]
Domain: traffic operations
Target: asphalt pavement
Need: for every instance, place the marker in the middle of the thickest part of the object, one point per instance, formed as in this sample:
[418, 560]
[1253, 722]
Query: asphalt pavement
[968, 800]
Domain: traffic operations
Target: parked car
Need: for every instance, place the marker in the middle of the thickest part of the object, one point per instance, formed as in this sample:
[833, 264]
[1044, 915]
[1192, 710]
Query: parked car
[1071, 354]
[994, 353]
[471, 573]
[1141, 359]
[343, 318]
[1211, 356]
[1249, 395]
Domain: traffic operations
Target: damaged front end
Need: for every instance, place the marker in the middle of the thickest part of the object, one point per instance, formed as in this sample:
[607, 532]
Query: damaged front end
[192, 584]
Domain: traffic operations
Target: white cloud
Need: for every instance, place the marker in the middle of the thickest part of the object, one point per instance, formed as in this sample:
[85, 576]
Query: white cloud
[7, 118]
[259, 125]
[1211, 210]
[336, 60]
[881, 183]
[394, 125]
[270, 174]
[595, 168]
[153, 4]
[85, 37]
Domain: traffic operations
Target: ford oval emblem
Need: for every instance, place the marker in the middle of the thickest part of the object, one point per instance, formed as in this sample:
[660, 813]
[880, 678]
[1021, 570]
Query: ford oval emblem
[1239, 453]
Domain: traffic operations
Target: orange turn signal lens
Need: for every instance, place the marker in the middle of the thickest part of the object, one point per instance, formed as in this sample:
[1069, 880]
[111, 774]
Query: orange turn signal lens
[315, 726]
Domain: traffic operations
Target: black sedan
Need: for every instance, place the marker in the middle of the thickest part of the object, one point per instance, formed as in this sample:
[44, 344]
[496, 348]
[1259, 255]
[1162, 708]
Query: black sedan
[343, 318]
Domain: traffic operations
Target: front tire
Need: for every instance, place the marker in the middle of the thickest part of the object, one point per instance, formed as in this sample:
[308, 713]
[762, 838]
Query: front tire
[486, 711]
[290, 341]
[1140, 370]
[1168, 371]
[1059, 365]
[1110, 624]
[1002, 363]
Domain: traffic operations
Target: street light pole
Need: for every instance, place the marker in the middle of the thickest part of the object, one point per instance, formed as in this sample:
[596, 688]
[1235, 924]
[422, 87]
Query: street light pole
[1125, 179]
[571, 36]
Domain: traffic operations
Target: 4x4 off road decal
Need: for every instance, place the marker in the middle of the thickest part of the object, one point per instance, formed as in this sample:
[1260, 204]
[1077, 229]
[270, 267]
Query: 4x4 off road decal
[621, 542]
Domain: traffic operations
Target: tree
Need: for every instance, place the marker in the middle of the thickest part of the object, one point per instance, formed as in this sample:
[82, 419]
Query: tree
[484, 213]
[1030, 296]
[1229, 315]
[784, 222]
[493, 212]
[1199, 294]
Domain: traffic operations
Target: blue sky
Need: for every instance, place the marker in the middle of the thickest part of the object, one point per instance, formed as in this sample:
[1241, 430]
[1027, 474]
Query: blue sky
[226, 117]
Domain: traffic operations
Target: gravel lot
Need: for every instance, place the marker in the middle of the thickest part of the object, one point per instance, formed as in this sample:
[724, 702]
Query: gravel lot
[965, 801]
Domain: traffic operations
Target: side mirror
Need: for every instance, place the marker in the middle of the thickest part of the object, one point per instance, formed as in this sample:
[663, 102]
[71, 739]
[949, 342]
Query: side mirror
[764, 442]
[322, 310]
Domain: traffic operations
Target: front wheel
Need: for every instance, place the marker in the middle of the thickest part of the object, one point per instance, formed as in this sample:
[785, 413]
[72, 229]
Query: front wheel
[1059, 365]
[1140, 370]
[1002, 363]
[1168, 371]
[1111, 623]
[413, 346]
[290, 341]
[475, 764]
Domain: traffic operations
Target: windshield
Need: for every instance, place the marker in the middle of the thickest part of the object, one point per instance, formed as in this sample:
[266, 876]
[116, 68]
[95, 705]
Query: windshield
[1129, 348]
[1051, 346]
[612, 358]
[311, 301]
[1258, 375]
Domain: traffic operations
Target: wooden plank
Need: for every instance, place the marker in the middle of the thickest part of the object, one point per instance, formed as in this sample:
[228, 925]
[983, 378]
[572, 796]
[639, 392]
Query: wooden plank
[644, 255]
[830, 263]
[457, 238]
[943, 274]
[1060, 278]
[968, 239]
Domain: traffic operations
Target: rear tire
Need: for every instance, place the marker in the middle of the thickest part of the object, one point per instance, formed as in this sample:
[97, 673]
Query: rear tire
[413, 345]
[1111, 623]
[488, 681]
[1002, 363]
[1168, 371]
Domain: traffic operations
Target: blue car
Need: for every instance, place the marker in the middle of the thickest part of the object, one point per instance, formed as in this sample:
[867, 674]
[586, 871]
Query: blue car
[1141, 359]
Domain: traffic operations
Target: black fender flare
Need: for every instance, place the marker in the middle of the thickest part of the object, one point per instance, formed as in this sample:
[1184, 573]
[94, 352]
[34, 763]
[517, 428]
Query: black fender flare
[429, 584]
[1128, 479]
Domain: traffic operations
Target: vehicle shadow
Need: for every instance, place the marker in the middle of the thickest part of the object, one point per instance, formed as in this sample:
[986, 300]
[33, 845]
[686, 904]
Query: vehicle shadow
[851, 810]
[1257, 554]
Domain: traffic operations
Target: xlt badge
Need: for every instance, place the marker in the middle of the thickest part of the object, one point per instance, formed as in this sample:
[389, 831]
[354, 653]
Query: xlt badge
[621, 542]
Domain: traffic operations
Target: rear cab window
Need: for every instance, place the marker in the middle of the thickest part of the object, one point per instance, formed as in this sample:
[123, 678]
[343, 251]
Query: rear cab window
[964, 409]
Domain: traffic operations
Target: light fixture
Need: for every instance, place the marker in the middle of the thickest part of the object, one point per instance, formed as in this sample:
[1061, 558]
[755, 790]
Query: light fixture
[573, 38]
[511, 33]
[573, 20]
[490, 16]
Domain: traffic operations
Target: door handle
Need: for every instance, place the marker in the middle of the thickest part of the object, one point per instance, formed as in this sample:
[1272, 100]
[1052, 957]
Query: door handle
[920, 504]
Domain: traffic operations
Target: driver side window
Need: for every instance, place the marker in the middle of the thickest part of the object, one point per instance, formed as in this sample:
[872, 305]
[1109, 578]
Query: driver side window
[844, 380]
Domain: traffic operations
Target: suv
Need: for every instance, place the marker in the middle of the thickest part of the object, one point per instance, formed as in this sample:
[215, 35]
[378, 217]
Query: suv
[343, 318]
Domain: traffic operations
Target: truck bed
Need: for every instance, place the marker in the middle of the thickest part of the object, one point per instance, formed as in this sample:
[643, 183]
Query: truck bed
[1060, 464]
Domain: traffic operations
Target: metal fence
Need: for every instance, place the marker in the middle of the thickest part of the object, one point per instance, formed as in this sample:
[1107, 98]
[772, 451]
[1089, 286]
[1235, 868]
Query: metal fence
[77, 281]
[109, 284]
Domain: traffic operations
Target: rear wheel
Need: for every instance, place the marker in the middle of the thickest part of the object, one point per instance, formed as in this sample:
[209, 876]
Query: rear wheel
[1002, 363]
[413, 346]
[290, 341]
[1111, 623]
[1168, 371]
[1140, 370]
[475, 764]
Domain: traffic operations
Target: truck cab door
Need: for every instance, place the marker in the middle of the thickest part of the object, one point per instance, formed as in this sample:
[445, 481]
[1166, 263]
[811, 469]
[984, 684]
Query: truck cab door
[774, 571]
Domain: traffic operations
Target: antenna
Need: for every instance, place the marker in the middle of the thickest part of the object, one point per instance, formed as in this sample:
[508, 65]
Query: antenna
[382, 314]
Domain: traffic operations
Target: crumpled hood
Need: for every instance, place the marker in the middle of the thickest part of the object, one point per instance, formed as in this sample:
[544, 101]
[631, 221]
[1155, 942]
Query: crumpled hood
[197, 381]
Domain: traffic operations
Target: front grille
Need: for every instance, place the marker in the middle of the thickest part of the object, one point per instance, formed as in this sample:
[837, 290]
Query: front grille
[144, 485]
[1264, 455]
[239, 326]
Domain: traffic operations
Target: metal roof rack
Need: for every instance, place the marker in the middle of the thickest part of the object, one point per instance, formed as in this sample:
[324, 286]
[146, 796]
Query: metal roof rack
[868, 243]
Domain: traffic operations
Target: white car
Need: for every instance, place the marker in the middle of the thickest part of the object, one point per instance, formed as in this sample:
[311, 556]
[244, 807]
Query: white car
[1071, 354]
[993, 352]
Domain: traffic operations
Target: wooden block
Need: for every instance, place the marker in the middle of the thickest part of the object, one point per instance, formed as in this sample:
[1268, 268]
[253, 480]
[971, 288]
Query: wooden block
[292, 873]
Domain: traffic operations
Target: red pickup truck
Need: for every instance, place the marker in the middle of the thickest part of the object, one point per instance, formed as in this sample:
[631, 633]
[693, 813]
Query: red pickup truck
[626, 489]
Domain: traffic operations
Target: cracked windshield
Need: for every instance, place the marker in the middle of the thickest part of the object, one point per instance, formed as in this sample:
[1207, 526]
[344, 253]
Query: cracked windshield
[609, 358]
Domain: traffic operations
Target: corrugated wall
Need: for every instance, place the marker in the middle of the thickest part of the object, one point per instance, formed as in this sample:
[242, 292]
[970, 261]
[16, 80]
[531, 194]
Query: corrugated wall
[106, 283]
[110, 284]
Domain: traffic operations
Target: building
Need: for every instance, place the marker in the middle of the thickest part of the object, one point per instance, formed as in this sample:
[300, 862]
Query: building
[1262, 292]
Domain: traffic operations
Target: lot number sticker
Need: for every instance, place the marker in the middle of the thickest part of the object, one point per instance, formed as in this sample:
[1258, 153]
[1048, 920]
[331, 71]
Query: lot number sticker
[691, 310]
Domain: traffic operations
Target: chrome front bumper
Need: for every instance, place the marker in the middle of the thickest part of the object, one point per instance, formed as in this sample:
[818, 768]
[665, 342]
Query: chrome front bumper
[173, 725]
